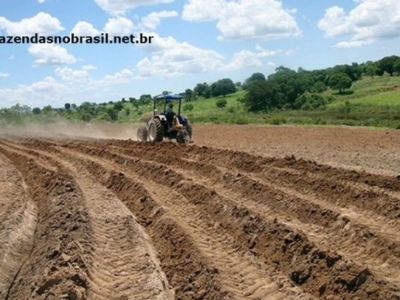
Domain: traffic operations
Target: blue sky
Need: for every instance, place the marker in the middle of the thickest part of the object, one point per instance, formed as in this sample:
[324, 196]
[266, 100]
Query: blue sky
[194, 41]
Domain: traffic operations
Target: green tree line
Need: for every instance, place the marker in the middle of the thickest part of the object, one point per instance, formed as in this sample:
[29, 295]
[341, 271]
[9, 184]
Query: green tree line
[284, 89]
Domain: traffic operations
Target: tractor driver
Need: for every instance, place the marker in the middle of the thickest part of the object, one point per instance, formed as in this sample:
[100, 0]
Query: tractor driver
[169, 113]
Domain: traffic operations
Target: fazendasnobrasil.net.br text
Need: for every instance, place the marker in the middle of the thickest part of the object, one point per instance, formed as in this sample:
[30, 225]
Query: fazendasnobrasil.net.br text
[104, 38]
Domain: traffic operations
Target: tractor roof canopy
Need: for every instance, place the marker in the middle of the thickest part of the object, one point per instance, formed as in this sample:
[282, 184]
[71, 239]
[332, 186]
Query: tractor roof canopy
[169, 96]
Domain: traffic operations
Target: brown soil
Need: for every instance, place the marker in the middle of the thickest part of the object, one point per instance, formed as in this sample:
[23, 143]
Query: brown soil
[246, 212]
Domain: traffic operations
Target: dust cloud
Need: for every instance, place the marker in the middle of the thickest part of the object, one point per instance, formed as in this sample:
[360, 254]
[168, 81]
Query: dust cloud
[75, 131]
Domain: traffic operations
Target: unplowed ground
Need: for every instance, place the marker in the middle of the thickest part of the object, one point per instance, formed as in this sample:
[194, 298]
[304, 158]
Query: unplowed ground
[118, 219]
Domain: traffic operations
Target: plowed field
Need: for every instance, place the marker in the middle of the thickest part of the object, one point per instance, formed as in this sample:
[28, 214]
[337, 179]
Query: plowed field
[258, 213]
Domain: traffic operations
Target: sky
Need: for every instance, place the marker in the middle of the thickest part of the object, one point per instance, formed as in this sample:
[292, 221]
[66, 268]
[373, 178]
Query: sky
[193, 41]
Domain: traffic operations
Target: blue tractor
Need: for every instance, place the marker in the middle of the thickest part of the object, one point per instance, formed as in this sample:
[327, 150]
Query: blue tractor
[166, 124]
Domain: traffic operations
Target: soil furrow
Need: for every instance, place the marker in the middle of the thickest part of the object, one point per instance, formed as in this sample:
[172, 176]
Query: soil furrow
[18, 220]
[379, 244]
[252, 230]
[341, 191]
[56, 265]
[232, 265]
[332, 232]
[367, 244]
[170, 239]
[374, 239]
[121, 253]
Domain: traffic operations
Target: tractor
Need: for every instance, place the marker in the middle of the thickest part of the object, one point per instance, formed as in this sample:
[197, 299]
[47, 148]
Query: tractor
[167, 124]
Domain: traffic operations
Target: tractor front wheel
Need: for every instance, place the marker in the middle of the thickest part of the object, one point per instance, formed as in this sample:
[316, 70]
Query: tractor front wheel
[156, 131]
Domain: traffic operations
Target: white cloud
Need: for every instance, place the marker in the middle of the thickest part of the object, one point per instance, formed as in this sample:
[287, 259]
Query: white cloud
[121, 6]
[72, 76]
[49, 54]
[70, 86]
[118, 78]
[4, 74]
[152, 20]
[203, 11]
[42, 23]
[351, 44]
[244, 19]
[40, 93]
[369, 21]
[89, 67]
[169, 58]
[83, 28]
[82, 79]
[118, 26]
[245, 59]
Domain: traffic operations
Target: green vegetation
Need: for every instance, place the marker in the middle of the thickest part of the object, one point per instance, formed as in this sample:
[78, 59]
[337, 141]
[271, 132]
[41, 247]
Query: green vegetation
[366, 94]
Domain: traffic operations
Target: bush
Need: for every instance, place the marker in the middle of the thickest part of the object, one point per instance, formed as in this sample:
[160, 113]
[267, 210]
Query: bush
[221, 103]
[188, 107]
[231, 110]
[311, 101]
[278, 121]
[241, 120]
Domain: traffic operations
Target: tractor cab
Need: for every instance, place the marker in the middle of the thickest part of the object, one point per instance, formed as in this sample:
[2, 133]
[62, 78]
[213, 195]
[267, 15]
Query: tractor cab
[171, 118]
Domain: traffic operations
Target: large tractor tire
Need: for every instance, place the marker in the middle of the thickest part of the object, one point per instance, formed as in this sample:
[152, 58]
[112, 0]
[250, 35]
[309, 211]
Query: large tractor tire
[156, 131]
[142, 134]
[189, 129]
[182, 137]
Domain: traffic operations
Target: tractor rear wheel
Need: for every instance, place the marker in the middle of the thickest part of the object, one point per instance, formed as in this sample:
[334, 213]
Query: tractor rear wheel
[156, 131]
[142, 134]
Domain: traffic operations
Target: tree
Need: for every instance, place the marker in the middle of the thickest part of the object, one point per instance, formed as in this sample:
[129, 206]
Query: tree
[396, 66]
[200, 89]
[145, 99]
[67, 106]
[371, 69]
[339, 81]
[189, 95]
[47, 109]
[259, 96]
[386, 64]
[118, 106]
[223, 87]
[354, 71]
[287, 85]
[253, 77]
[113, 114]
[36, 111]
[319, 87]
